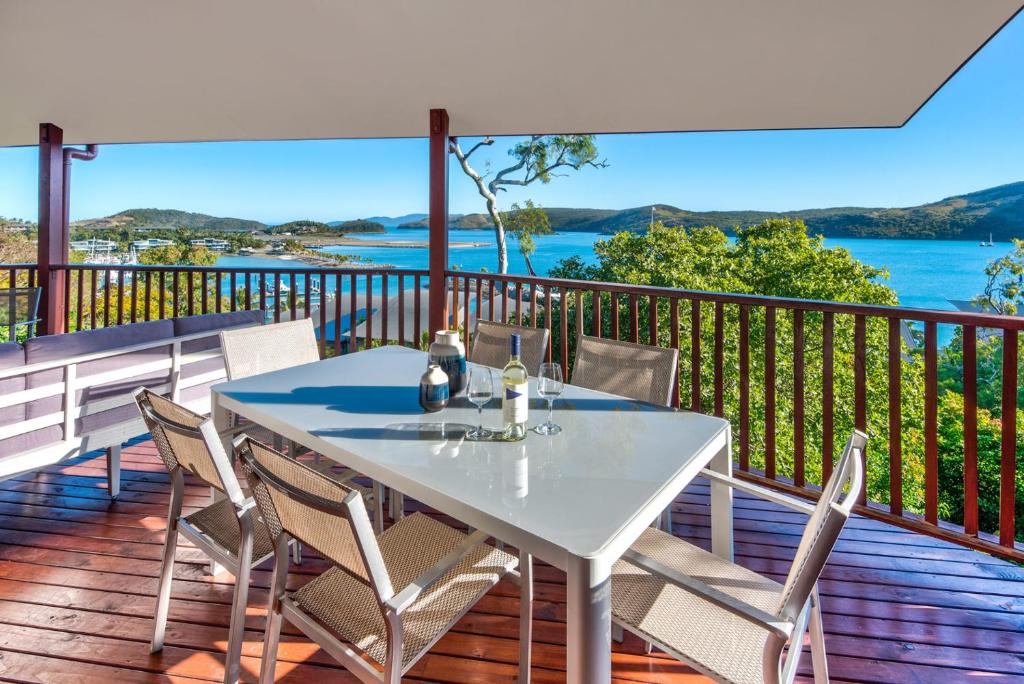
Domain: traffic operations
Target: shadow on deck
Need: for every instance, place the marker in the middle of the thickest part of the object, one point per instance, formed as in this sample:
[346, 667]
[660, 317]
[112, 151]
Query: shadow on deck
[78, 580]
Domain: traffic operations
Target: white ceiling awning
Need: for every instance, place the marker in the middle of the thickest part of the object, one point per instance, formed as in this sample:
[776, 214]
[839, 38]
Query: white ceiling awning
[110, 71]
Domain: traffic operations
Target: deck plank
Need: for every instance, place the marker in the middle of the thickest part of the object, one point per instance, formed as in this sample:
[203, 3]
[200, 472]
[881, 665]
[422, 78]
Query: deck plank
[78, 580]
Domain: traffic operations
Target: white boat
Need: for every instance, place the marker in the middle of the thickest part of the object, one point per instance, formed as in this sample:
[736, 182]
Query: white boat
[987, 244]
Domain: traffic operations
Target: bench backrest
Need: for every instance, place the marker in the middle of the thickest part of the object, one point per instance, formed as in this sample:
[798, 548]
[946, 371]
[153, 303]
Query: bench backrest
[66, 394]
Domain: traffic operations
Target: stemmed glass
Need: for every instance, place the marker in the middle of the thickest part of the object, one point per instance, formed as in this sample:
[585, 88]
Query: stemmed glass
[549, 386]
[480, 391]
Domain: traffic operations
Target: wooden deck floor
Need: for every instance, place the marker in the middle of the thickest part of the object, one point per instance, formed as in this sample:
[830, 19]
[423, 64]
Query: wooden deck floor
[77, 581]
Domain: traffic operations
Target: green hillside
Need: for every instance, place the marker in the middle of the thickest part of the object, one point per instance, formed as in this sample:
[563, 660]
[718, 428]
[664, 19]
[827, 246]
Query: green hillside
[971, 216]
[358, 226]
[301, 226]
[170, 218]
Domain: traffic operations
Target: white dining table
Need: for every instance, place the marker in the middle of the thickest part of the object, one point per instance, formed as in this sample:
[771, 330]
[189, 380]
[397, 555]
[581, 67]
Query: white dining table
[576, 500]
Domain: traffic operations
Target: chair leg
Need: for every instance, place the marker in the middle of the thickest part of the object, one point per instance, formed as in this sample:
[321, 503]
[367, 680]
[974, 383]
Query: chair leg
[819, 659]
[163, 594]
[297, 552]
[114, 471]
[525, 615]
[239, 604]
[666, 520]
[618, 634]
[397, 505]
[163, 597]
[272, 633]
[378, 507]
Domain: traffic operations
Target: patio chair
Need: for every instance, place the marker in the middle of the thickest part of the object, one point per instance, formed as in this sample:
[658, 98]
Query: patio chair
[267, 348]
[227, 531]
[387, 598]
[637, 371]
[263, 349]
[490, 345]
[730, 623]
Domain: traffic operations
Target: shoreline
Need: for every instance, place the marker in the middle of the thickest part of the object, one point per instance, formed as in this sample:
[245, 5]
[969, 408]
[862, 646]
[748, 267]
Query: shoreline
[345, 241]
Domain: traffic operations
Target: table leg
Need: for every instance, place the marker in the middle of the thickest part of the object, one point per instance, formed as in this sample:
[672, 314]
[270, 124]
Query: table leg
[589, 629]
[525, 616]
[721, 504]
[221, 421]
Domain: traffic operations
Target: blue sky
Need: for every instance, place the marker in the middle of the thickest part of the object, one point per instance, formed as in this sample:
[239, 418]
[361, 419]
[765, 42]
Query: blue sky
[970, 136]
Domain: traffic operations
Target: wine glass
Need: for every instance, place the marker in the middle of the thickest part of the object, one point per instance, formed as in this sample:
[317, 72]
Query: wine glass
[480, 391]
[549, 386]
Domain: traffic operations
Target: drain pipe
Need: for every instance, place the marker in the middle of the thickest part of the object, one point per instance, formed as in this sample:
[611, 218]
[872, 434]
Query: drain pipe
[88, 154]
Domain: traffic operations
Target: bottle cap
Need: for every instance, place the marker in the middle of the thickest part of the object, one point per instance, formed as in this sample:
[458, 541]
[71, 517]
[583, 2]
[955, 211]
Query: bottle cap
[514, 344]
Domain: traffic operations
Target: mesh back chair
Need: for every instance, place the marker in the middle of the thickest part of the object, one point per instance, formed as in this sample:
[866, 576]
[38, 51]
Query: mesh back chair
[226, 531]
[636, 371]
[490, 345]
[730, 623]
[267, 348]
[386, 598]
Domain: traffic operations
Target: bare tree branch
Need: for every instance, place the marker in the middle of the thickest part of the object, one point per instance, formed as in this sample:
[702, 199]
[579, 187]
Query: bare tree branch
[474, 148]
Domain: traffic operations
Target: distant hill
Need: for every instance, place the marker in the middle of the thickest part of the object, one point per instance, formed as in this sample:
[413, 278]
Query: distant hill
[358, 226]
[971, 216]
[301, 226]
[170, 218]
[387, 221]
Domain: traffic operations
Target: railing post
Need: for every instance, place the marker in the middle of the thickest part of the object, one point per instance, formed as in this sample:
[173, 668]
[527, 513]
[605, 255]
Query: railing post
[52, 241]
[438, 301]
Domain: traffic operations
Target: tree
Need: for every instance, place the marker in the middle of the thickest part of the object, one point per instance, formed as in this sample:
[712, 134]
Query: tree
[777, 258]
[155, 256]
[523, 222]
[16, 249]
[538, 158]
[1004, 291]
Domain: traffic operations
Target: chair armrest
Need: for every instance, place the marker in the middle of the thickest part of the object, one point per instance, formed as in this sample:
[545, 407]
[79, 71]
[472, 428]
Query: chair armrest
[762, 492]
[772, 623]
[403, 599]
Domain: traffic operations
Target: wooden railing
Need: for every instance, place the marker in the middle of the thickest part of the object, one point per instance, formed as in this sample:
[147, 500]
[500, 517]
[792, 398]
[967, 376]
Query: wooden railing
[808, 371]
[793, 376]
[339, 299]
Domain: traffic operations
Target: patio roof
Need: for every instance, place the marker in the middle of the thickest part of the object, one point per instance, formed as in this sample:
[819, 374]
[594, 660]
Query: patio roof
[127, 71]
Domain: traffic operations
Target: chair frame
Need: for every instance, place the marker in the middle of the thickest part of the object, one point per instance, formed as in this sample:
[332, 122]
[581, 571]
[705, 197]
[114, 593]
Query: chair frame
[229, 559]
[391, 603]
[801, 612]
[304, 325]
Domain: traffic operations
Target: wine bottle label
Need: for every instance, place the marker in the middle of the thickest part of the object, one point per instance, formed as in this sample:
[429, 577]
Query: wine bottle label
[515, 403]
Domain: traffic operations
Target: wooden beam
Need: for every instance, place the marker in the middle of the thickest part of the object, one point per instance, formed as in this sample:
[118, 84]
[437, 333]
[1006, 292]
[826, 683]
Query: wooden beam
[438, 301]
[53, 244]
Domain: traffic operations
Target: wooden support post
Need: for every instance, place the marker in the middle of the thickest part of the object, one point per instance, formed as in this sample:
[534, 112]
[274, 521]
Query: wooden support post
[53, 244]
[438, 301]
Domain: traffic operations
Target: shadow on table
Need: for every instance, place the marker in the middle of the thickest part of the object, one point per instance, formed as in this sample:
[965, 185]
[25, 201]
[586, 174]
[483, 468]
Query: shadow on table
[404, 400]
[426, 432]
[343, 398]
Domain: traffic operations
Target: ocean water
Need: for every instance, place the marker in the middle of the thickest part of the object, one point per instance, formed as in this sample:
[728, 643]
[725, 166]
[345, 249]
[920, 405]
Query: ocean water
[924, 273]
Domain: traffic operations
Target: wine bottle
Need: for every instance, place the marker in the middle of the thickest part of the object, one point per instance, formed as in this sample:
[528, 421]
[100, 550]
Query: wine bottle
[515, 393]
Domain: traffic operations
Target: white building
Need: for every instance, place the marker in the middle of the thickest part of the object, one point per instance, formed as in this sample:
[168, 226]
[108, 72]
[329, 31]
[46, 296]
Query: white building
[94, 246]
[141, 245]
[214, 244]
